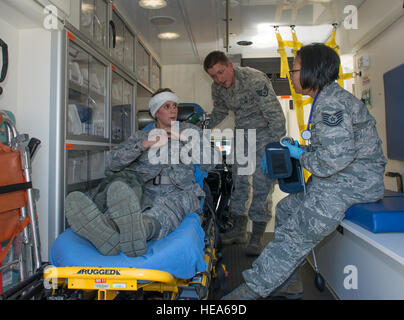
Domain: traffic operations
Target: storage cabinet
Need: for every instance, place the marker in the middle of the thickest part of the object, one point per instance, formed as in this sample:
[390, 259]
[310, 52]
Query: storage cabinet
[93, 20]
[117, 37]
[121, 102]
[87, 98]
[155, 75]
[99, 109]
[98, 66]
[128, 49]
[87, 114]
[122, 42]
[99, 112]
[85, 167]
[143, 116]
[142, 63]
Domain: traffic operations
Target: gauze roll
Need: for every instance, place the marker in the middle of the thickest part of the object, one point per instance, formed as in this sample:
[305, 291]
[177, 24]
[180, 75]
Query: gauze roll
[158, 100]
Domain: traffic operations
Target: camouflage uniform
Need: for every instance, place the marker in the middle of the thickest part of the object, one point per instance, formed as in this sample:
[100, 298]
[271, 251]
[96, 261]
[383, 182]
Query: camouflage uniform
[168, 203]
[256, 106]
[347, 165]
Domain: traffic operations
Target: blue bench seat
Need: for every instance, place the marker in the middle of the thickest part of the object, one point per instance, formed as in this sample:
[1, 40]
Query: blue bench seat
[385, 215]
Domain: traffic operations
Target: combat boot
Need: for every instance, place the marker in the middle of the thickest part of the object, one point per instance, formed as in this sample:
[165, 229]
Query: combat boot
[243, 292]
[152, 226]
[238, 234]
[135, 228]
[254, 248]
[86, 219]
[291, 289]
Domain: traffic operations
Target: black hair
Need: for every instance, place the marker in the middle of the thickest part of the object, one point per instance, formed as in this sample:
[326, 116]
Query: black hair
[161, 90]
[213, 58]
[320, 66]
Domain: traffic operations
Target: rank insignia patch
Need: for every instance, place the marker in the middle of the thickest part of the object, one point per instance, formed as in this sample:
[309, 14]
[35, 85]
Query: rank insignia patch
[333, 120]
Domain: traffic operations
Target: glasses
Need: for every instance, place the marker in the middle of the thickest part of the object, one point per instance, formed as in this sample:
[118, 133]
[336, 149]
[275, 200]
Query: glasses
[291, 72]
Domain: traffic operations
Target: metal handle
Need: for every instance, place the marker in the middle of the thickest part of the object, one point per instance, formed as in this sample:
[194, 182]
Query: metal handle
[33, 146]
[4, 68]
[112, 24]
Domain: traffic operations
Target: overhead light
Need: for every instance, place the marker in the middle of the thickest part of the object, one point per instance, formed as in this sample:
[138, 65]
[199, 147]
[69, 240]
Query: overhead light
[168, 35]
[232, 3]
[152, 4]
[87, 7]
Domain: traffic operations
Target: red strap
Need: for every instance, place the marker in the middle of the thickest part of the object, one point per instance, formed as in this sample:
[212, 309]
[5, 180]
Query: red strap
[20, 227]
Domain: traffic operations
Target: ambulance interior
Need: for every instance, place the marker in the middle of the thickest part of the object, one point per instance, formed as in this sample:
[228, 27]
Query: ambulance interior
[71, 60]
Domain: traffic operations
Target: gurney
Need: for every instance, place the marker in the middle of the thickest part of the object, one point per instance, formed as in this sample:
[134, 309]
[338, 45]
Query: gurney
[179, 266]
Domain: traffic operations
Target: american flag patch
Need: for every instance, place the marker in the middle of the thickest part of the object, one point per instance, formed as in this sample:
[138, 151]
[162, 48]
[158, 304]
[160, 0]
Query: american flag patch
[334, 119]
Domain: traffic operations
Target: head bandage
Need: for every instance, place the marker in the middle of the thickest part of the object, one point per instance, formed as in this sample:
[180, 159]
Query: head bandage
[158, 100]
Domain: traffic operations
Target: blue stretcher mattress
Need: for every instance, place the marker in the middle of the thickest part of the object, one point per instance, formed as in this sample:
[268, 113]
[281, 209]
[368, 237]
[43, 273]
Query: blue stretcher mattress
[180, 253]
[385, 215]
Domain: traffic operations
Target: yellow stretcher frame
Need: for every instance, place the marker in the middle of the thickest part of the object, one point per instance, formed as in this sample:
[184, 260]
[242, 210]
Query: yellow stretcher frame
[296, 45]
[107, 282]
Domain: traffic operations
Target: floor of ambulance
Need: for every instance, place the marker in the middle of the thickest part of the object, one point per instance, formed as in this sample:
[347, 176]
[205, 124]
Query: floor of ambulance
[236, 261]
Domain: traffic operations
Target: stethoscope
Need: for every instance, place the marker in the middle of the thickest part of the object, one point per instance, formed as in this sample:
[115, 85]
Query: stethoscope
[306, 134]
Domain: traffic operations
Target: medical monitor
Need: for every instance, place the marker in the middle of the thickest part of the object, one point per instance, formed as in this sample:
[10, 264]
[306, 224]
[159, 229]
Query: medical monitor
[394, 97]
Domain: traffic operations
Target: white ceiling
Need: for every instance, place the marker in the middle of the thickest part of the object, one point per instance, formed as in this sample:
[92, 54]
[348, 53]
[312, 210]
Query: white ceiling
[21, 14]
[202, 29]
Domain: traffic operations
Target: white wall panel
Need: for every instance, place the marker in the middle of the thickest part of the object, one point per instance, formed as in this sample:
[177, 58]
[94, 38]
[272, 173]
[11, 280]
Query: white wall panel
[33, 113]
[383, 58]
[10, 35]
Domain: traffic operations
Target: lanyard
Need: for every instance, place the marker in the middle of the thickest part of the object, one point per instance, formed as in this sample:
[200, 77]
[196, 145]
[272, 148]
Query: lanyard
[306, 134]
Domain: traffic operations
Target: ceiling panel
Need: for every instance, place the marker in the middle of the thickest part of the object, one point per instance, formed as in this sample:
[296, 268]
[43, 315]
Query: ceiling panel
[202, 28]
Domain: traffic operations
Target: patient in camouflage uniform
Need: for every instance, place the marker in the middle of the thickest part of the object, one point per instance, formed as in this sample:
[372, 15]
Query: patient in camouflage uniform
[143, 199]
